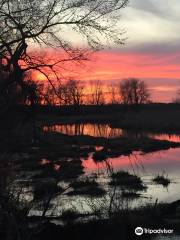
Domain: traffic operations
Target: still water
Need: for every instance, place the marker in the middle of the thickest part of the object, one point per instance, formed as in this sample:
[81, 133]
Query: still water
[147, 166]
[104, 130]
[94, 130]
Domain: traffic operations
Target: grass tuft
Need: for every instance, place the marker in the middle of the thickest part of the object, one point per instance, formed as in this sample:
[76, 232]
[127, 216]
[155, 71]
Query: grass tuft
[162, 180]
[127, 180]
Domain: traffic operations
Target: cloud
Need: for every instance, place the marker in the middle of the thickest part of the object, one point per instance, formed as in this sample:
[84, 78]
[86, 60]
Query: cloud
[168, 9]
[152, 25]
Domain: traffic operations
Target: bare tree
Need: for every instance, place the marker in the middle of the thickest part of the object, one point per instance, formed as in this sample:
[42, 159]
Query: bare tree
[27, 24]
[75, 90]
[134, 91]
[48, 95]
[70, 93]
[96, 93]
[113, 91]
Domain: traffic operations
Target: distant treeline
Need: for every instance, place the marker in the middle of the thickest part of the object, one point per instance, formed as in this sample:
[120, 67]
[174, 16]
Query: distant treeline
[74, 92]
[100, 109]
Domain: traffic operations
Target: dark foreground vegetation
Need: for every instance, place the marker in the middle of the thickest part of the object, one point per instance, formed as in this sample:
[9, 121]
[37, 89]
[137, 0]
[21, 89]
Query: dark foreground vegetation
[162, 179]
[120, 227]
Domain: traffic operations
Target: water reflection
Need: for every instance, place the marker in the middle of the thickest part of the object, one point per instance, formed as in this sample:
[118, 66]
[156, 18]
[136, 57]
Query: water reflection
[146, 166]
[98, 148]
[168, 137]
[94, 130]
[104, 130]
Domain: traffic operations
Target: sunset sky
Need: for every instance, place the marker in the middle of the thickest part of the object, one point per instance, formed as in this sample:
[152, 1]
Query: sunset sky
[151, 52]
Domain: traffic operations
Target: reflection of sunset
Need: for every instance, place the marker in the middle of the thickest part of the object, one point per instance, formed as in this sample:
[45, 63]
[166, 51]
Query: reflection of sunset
[91, 165]
[168, 137]
[147, 166]
[94, 130]
[104, 130]
[151, 163]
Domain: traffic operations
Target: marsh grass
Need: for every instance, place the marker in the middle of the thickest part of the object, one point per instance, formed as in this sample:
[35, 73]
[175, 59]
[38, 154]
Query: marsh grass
[86, 187]
[127, 180]
[45, 189]
[130, 195]
[162, 180]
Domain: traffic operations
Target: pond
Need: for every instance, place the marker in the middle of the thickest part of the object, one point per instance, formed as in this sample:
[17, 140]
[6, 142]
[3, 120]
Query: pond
[105, 130]
[147, 166]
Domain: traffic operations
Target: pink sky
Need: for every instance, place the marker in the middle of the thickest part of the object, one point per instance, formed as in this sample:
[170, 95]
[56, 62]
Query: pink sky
[161, 72]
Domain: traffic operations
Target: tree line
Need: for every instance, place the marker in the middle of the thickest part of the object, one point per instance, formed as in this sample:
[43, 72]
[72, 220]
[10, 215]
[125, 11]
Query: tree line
[75, 92]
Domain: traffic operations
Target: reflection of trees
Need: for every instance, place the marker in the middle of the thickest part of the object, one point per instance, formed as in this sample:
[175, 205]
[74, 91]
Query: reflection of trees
[96, 93]
[95, 130]
[104, 130]
[134, 91]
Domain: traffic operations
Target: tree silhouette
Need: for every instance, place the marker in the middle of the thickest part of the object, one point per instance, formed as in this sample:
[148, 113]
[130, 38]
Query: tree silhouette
[134, 91]
[28, 24]
[96, 93]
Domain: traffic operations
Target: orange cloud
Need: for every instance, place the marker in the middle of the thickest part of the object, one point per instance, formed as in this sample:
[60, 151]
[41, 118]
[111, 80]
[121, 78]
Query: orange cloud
[118, 65]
